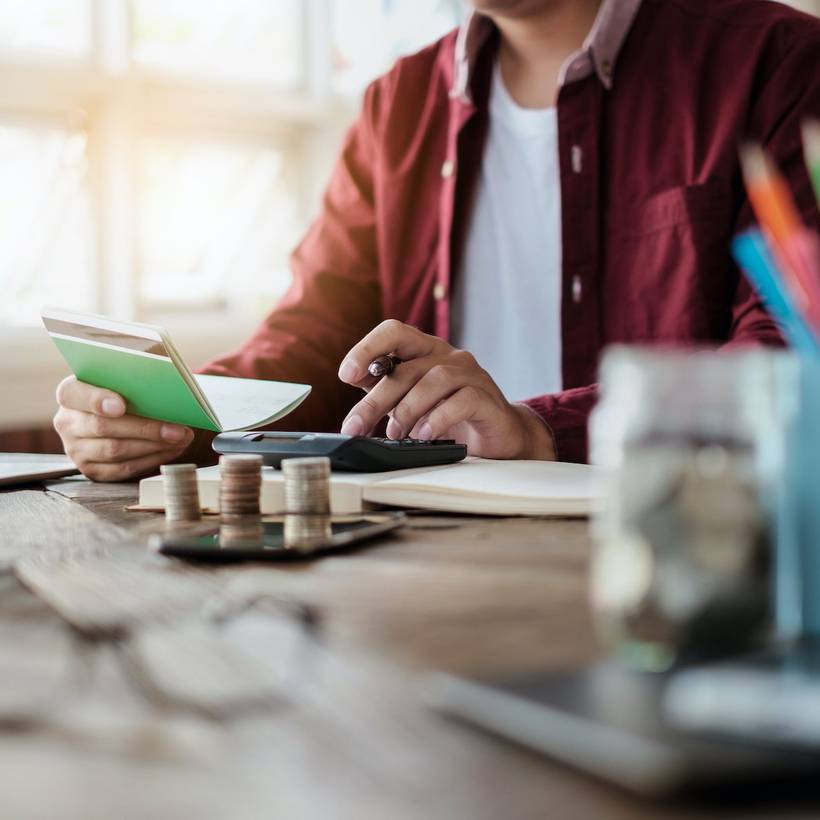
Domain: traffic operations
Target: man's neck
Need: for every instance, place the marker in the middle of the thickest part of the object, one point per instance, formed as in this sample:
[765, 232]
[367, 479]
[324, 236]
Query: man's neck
[534, 46]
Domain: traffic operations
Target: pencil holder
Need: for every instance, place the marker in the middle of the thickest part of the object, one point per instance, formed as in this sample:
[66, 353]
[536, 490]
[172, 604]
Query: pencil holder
[797, 573]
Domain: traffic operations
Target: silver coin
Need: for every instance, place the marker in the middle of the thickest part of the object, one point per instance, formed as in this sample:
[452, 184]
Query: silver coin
[307, 485]
[307, 531]
[301, 466]
[181, 492]
[176, 469]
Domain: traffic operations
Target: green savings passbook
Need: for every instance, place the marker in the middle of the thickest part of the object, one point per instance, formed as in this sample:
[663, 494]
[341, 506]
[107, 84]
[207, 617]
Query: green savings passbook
[141, 364]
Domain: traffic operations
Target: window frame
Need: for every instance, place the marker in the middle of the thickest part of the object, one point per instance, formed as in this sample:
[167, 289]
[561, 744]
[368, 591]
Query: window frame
[106, 92]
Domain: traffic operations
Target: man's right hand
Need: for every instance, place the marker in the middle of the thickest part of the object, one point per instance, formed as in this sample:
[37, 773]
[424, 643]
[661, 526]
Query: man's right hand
[104, 442]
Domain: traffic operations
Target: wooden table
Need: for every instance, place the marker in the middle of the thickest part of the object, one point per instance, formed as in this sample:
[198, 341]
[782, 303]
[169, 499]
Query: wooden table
[134, 687]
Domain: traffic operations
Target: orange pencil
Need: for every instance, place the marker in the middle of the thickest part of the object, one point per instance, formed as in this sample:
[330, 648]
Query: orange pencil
[795, 247]
[769, 194]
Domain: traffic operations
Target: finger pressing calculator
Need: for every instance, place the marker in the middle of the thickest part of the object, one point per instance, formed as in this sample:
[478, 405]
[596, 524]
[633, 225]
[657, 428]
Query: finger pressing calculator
[358, 454]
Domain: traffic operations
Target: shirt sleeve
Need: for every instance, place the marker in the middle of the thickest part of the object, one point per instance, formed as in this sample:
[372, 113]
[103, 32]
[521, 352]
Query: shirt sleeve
[334, 298]
[787, 98]
[566, 414]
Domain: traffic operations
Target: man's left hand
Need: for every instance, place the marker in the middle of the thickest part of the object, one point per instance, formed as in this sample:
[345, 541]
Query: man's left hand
[438, 392]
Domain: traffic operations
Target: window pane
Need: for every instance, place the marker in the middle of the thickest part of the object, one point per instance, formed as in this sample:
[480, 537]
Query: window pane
[46, 252]
[53, 27]
[217, 222]
[369, 35]
[256, 40]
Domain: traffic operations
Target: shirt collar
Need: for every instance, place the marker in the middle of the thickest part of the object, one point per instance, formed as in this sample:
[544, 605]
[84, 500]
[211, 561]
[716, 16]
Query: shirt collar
[598, 53]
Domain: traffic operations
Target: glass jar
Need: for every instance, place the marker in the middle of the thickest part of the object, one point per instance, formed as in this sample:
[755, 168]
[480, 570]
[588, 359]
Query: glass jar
[693, 447]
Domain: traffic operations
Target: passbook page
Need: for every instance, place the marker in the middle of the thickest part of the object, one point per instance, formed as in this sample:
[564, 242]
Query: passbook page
[241, 404]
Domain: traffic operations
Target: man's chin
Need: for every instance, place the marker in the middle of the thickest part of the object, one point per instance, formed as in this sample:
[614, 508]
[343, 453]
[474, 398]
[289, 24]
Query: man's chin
[514, 8]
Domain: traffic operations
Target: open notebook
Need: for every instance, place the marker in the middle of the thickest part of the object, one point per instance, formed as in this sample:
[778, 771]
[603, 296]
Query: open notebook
[481, 486]
[141, 363]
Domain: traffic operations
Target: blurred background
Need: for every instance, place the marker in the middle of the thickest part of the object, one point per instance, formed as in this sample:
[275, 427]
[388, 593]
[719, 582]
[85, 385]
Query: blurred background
[159, 159]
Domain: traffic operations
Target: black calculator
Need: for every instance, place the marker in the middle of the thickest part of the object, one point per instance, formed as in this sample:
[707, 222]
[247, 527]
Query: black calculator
[353, 454]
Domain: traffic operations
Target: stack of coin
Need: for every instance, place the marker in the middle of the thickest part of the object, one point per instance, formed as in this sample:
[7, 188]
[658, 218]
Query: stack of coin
[307, 485]
[240, 484]
[181, 493]
[245, 531]
[307, 532]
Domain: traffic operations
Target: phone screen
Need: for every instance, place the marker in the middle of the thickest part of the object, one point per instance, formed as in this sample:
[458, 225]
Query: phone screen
[291, 537]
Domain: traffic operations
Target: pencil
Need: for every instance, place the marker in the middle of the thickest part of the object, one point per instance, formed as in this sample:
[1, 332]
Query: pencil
[383, 365]
[769, 195]
[754, 257]
[793, 246]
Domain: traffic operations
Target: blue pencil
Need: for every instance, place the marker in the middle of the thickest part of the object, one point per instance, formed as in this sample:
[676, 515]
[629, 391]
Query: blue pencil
[752, 253]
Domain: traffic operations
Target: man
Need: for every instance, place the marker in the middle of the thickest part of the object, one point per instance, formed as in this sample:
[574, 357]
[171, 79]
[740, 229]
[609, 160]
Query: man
[556, 176]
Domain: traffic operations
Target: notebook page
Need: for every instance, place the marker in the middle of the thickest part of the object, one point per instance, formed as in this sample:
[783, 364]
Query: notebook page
[497, 487]
[241, 404]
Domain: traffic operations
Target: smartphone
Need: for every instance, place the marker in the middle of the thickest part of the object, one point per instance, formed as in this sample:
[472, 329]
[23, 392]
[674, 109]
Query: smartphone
[284, 538]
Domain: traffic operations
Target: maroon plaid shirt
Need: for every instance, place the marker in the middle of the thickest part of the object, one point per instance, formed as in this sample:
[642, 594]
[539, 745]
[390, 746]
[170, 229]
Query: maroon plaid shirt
[650, 116]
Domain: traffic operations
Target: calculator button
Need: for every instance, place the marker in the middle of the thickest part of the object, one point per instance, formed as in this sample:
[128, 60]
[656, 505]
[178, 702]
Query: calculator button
[412, 442]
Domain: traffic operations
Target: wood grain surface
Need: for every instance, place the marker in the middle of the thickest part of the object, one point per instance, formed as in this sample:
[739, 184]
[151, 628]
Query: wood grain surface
[135, 687]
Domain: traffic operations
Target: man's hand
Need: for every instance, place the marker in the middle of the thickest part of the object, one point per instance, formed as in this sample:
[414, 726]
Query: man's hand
[438, 392]
[106, 444]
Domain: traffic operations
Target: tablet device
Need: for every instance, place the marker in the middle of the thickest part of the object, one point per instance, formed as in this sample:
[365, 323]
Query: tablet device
[285, 538]
[17, 470]
[612, 722]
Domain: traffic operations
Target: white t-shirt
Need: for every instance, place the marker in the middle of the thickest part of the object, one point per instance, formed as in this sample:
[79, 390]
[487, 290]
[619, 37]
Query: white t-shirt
[506, 306]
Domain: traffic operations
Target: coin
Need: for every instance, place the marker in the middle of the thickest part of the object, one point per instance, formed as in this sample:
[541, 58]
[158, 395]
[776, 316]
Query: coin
[240, 485]
[307, 532]
[307, 485]
[243, 531]
[181, 492]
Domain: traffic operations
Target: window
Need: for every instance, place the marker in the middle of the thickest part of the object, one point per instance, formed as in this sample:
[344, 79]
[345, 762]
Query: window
[46, 243]
[49, 27]
[216, 222]
[164, 156]
[245, 40]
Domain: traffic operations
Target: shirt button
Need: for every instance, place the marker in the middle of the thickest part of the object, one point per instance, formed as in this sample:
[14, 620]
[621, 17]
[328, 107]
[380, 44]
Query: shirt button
[606, 68]
[439, 292]
[447, 168]
[577, 158]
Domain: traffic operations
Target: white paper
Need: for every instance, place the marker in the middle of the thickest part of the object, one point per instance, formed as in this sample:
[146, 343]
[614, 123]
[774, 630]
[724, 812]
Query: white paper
[495, 487]
[242, 404]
